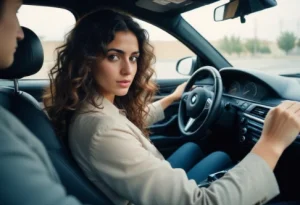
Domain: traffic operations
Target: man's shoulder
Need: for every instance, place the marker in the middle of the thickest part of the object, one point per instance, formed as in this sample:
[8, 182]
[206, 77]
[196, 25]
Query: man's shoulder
[27, 167]
[7, 120]
[10, 125]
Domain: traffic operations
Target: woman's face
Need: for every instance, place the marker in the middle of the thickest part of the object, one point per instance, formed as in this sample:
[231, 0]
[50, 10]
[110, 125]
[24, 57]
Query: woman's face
[115, 72]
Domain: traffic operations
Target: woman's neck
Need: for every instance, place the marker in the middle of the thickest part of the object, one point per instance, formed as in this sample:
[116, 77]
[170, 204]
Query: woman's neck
[110, 97]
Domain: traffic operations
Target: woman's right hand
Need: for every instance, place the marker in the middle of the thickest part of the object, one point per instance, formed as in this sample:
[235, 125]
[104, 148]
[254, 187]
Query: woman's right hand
[282, 125]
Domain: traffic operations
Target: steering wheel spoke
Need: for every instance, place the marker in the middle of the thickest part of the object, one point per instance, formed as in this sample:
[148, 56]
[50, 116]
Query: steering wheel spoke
[189, 124]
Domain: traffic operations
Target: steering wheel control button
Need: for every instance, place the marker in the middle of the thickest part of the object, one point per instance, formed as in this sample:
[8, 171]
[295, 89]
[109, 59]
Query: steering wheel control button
[208, 103]
[244, 130]
[242, 138]
[185, 97]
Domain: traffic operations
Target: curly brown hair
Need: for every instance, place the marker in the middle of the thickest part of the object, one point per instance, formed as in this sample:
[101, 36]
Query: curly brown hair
[71, 83]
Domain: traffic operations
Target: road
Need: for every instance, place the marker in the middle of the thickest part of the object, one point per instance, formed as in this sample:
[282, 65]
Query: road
[273, 66]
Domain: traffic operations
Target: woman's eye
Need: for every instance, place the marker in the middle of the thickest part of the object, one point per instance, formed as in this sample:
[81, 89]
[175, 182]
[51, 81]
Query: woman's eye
[113, 58]
[134, 58]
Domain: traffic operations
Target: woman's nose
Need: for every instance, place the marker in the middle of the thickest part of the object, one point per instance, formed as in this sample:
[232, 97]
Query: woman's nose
[127, 68]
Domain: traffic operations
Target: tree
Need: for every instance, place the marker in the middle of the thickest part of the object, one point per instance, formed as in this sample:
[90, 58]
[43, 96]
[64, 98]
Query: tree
[264, 49]
[252, 46]
[298, 44]
[225, 45]
[236, 44]
[231, 45]
[286, 41]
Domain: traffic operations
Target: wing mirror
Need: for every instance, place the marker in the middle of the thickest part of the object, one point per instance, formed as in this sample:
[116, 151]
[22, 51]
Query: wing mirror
[186, 66]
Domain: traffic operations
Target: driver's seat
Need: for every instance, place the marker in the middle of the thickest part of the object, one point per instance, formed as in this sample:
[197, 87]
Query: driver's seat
[28, 61]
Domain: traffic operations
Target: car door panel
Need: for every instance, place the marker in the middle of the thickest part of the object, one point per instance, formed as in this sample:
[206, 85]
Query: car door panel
[165, 133]
[168, 126]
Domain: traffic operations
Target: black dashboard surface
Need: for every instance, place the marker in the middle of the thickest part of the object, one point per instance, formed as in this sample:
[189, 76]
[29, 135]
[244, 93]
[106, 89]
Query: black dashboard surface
[258, 86]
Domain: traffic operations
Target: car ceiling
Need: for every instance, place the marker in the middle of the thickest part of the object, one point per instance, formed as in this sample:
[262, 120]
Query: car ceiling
[140, 8]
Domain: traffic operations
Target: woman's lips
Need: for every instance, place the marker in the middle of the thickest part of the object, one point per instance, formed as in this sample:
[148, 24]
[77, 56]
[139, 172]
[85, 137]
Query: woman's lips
[124, 83]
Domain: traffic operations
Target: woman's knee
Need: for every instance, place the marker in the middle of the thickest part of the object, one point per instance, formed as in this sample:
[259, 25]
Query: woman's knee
[193, 147]
[222, 157]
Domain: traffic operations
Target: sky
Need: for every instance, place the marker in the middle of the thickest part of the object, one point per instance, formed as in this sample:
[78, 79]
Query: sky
[53, 23]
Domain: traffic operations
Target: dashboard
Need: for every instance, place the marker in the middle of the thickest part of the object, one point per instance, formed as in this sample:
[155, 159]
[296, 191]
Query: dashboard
[248, 95]
[253, 93]
[258, 86]
[247, 89]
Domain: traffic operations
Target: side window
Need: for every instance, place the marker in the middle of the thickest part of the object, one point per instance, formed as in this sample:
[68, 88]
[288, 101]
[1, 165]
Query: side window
[168, 50]
[51, 26]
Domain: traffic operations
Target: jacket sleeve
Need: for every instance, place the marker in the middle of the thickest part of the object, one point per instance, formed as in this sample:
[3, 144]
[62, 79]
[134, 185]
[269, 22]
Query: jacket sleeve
[135, 174]
[155, 113]
[24, 176]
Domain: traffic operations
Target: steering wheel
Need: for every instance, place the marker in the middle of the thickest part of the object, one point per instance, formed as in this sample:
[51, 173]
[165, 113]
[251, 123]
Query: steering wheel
[199, 107]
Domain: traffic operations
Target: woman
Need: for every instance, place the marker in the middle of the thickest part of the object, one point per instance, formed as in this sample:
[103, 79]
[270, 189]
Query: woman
[101, 86]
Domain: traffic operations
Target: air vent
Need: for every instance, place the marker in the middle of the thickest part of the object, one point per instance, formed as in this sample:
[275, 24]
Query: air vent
[260, 111]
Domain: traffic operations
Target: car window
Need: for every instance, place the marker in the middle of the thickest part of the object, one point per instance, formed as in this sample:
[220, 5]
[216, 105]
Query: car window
[167, 49]
[51, 25]
[268, 41]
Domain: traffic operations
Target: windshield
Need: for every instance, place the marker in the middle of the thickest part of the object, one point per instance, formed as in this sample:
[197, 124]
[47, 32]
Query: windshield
[268, 41]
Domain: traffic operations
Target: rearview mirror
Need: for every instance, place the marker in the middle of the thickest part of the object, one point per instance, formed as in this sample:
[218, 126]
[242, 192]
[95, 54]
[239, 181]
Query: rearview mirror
[240, 8]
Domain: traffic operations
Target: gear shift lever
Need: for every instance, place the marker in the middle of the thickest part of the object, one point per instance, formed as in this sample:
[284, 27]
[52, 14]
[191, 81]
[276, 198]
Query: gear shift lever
[215, 176]
[211, 178]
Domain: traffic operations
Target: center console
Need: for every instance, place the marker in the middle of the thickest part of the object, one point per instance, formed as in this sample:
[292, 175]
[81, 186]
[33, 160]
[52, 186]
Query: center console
[250, 119]
[251, 123]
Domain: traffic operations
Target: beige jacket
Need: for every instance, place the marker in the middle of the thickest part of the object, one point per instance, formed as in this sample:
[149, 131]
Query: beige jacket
[122, 163]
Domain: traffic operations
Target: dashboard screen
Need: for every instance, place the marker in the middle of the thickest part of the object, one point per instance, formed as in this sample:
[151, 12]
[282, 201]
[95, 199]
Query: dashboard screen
[246, 89]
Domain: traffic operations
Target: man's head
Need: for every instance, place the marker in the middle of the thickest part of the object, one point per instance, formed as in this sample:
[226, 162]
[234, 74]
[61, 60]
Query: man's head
[10, 31]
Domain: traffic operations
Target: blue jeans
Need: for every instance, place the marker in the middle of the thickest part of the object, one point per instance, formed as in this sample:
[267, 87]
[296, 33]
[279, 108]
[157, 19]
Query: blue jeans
[190, 158]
